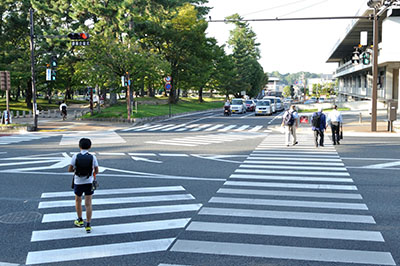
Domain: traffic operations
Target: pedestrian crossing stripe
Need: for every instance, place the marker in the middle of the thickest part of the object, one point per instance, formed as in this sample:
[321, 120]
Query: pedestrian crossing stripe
[272, 184]
[17, 138]
[172, 220]
[194, 128]
[284, 252]
[206, 140]
[98, 251]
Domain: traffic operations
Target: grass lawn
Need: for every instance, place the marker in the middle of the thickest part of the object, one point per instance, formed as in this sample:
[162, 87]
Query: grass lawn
[158, 107]
[42, 104]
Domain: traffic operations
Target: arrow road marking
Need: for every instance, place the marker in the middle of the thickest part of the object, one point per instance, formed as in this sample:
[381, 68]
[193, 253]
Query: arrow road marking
[144, 159]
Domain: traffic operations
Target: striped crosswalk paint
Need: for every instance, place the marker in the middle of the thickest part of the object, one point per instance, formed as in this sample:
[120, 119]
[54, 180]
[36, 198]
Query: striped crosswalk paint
[194, 128]
[176, 211]
[276, 184]
[17, 138]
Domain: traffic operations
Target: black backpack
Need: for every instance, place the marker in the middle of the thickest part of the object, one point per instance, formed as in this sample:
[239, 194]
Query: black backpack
[316, 122]
[289, 119]
[84, 165]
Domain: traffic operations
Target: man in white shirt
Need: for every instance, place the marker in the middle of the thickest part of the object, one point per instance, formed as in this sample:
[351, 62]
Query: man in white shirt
[335, 120]
[290, 122]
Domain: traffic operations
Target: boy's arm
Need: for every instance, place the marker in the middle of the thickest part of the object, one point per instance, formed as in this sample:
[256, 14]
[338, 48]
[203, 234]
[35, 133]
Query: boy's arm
[96, 170]
[70, 168]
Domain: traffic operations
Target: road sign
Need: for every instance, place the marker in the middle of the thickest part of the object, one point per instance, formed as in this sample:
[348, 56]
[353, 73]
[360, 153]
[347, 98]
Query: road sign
[168, 86]
[48, 74]
[5, 80]
[80, 43]
[168, 79]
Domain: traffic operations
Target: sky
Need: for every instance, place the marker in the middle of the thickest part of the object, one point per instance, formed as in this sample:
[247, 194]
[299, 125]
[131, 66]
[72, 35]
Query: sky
[289, 46]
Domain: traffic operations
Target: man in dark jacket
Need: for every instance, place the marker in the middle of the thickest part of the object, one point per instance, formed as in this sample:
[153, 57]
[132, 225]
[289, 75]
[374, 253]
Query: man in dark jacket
[318, 122]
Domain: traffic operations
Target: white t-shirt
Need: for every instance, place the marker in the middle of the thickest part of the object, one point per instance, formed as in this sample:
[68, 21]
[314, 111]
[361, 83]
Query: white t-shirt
[61, 106]
[83, 180]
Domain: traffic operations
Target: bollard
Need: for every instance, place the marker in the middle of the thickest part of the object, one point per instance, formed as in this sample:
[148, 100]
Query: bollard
[30, 114]
[75, 114]
[360, 118]
[23, 114]
[55, 113]
[17, 114]
[49, 114]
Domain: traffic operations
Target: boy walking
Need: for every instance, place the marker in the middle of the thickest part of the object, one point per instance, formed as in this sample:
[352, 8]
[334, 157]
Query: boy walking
[85, 168]
[335, 120]
[290, 122]
[318, 121]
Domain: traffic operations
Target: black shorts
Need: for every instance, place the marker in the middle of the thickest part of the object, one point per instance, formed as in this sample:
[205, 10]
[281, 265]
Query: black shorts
[85, 188]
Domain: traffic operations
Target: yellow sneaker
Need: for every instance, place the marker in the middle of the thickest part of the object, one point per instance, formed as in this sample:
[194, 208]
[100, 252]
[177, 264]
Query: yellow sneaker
[78, 223]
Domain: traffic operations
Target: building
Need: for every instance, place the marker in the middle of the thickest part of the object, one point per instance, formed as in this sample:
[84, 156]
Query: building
[355, 79]
[323, 80]
[274, 87]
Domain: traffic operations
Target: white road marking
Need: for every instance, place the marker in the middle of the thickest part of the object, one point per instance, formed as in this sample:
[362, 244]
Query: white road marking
[250, 171]
[290, 203]
[283, 193]
[173, 154]
[110, 229]
[144, 159]
[200, 127]
[174, 127]
[294, 178]
[97, 138]
[288, 167]
[290, 215]
[290, 155]
[242, 128]
[116, 191]
[123, 212]
[382, 165]
[123, 200]
[286, 158]
[98, 251]
[291, 162]
[112, 153]
[167, 142]
[284, 252]
[271, 230]
[160, 127]
[227, 128]
[214, 127]
[142, 154]
[256, 128]
[290, 185]
[132, 128]
[146, 127]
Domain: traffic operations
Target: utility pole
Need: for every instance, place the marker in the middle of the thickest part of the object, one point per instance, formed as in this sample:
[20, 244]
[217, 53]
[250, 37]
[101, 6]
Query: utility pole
[128, 97]
[32, 46]
[375, 70]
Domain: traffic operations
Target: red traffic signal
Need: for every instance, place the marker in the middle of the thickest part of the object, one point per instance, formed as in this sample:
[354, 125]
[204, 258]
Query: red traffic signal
[78, 36]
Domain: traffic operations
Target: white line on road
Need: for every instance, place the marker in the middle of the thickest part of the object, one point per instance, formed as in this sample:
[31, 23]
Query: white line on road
[123, 212]
[290, 185]
[112, 153]
[283, 193]
[309, 216]
[123, 200]
[291, 162]
[290, 203]
[293, 178]
[109, 229]
[117, 191]
[99, 251]
[284, 252]
[286, 158]
[173, 154]
[289, 231]
[250, 171]
[293, 167]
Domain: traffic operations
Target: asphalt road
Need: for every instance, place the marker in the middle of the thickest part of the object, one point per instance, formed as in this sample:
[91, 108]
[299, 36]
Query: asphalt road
[202, 189]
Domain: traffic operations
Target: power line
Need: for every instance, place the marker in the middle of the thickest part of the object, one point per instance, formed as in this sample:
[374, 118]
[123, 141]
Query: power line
[304, 8]
[288, 19]
[275, 7]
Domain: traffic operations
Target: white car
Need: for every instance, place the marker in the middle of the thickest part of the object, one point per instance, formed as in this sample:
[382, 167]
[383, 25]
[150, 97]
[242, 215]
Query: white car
[272, 99]
[263, 108]
[238, 106]
[279, 104]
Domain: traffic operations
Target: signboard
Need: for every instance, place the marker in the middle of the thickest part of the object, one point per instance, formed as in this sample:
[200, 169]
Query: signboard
[5, 81]
[303, 119]
[364, 38]
[48, 74]
[168, 79]
[168, 86]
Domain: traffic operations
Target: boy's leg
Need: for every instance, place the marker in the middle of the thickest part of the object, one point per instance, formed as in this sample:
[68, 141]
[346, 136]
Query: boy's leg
[78, 205]
[88, 206]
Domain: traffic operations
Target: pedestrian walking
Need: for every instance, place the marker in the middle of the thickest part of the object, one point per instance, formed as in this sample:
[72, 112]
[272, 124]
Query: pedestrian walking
[85, 168]
[335, 121]
[290, 122]
[318, 122]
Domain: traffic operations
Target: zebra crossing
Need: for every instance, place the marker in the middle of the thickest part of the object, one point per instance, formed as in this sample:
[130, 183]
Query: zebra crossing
[286, 205]
[194, 141]
[173, 205]
[17, 138]
[196, 128]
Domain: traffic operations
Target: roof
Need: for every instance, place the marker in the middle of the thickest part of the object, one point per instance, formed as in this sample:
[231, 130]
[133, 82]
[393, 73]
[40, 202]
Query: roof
[344, 47]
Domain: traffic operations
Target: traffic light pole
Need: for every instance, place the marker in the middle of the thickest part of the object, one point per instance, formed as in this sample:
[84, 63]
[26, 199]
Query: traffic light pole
[128, 97]
[375, 71]
[32, 46]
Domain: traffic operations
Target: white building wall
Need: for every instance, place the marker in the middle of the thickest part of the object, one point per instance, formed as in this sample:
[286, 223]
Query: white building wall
[390, 45]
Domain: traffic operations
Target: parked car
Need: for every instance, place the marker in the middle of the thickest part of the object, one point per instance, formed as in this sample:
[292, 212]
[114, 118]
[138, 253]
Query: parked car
[263, 107]
[272, 99]
[238, 106]
[279, 104]
[250, 105]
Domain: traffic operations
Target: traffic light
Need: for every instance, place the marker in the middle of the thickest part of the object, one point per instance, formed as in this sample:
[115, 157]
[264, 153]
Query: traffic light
[355, 59]
[366, 58]
[53, 62]
[78, 36]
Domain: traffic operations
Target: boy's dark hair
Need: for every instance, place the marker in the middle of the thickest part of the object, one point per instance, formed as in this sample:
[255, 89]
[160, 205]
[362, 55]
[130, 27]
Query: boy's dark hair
[85, 143]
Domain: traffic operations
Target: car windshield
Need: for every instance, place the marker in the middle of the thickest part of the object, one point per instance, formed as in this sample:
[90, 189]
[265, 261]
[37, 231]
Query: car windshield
[278, 100]
[249, 102]
[237, 102]
[263, 103]
[272, 100]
